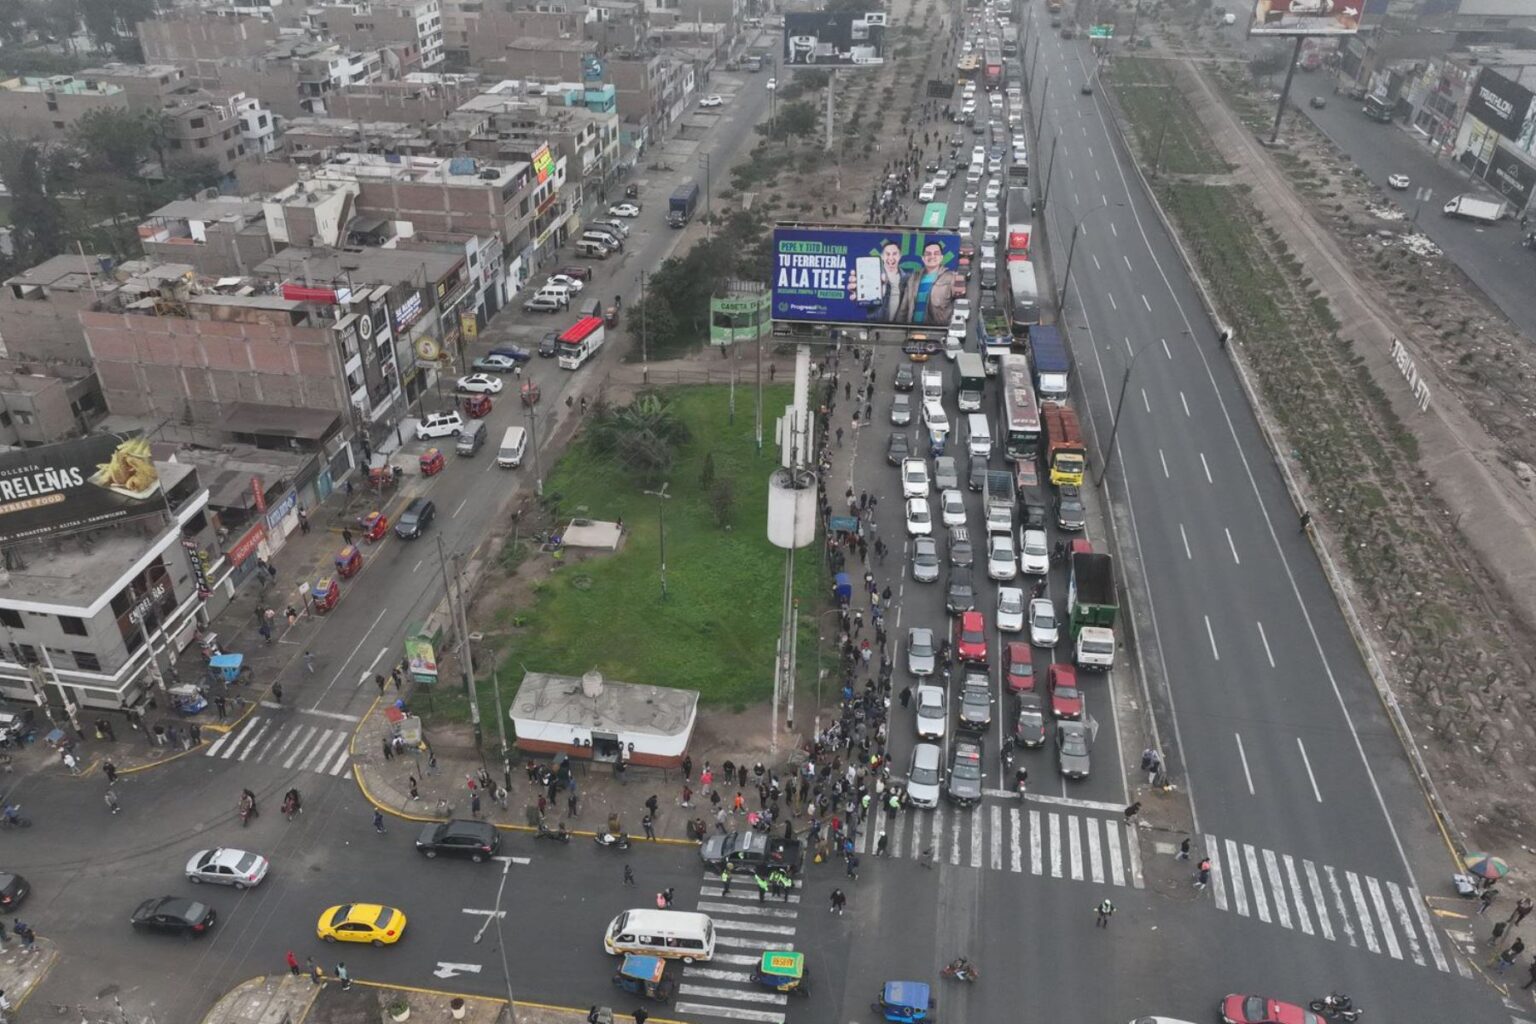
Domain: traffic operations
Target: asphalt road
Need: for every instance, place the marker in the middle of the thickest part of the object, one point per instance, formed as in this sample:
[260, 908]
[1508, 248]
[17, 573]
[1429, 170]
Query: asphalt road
[1492, 256]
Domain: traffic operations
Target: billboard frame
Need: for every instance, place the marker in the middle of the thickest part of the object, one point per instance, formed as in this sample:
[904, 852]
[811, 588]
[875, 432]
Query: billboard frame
[848, 32]
[1285, 18]
[848, 268]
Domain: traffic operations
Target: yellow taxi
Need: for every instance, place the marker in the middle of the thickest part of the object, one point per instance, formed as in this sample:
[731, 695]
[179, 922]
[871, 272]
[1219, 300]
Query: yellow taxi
[361, 922]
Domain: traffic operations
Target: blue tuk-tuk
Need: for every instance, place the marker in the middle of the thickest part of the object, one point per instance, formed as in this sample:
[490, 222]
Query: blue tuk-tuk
[842, 588]
[227, 666]
[905, 1002]
[644, 976]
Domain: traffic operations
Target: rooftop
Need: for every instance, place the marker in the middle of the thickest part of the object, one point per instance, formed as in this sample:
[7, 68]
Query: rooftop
[463, 171]
[117, 70]
[66, 84]
[365, 267]
[227, 470]
[67, 272]
[232, 209]
[620, 708]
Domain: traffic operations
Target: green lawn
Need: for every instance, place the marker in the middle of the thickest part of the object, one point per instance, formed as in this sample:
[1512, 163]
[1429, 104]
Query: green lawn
[1158, 112]
[717, 628]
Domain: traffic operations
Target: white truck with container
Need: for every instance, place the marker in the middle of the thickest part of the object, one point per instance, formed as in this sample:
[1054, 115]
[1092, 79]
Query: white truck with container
[1486, 211]
[933, 385]
[580, 342]
[973, 378]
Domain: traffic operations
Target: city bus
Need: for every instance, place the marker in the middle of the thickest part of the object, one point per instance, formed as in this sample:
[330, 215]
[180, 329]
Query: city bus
[580, 340]
[1023, 297]
[1018, 415]
[992, 76]
[934, 215]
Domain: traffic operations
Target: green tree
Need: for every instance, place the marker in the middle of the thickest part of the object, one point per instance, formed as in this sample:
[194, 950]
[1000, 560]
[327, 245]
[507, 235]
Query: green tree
[796, 120]
[644, 436]
[707, 472]
[722, 502]
[108, 22]
[1269, 61]
[111, 143]
[37, 220]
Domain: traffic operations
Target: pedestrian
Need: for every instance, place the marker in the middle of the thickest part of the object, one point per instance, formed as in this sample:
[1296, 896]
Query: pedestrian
[1532, 976]
[652, 804]
[111, 798]
[1522, 908]
[196, 733]
[1204, 877]
[1510, 955]
[687, 796]
[343, 976]
[27, 936]
[725, 880]
[666, 898]
[762, 886]
[881, 844]
[378, 822]
[293, 964]
[474, 805]
[629, 875]
[277, 693]
[1183, 853]
[309, 662]
[110, 771]
[838, 902]
[1106, 909]
[389, 749]
[266, 633]
[649, 826]
[640, 1015]
[1132, 811]
[316, 972]
[346, 536]
[1485, 900]
[1306, 520]
[851, 865]
[687, 768]
[5, 936]
[415, 795]
[72, 763]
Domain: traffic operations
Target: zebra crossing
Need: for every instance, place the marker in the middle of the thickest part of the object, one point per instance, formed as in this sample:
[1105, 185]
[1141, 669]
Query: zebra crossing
[1341, 906]
[744, 930]
[1046, 841]
[291, 742]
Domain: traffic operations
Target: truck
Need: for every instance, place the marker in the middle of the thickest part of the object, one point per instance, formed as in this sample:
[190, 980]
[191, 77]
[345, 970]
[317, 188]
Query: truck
[1378, 108]
[996, 338]
[1091, 610]
[1065, 457]
[748, 851]
[1048, 357]
[1488, 211]
[932, 384]
[999, 501]
[685, 199]
[580, 342]
[973, 377]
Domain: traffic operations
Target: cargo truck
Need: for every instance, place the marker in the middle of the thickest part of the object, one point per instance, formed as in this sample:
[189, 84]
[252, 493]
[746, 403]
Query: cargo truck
[685, 199]
[972, 379]
[999, 501]
[1091, 611]
[1065, 456]
[996, 338]
[1488, 211]
[1048, 357]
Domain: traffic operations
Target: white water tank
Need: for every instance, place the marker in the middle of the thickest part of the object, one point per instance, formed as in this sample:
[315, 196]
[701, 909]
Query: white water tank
[592, 685]
[792, 508]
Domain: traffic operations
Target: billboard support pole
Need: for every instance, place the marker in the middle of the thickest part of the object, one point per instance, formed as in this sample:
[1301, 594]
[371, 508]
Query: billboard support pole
[1045, 90]
[1045, 194]
[831, 92]
[1285, 90]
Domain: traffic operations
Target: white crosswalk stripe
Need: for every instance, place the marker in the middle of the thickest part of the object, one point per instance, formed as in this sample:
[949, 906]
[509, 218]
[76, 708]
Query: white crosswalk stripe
[292, 743]
[1378, 914]
[723, 987]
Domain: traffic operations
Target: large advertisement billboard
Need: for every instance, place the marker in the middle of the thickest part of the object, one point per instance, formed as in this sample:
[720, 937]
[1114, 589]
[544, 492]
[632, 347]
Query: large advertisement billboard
[76, 485]
[853, 275]
[1499, 103]
[1306, 18]
[834, 38]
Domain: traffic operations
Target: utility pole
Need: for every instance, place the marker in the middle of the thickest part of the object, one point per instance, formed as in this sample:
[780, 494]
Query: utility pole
[461, 627]
[708, 205]
[831, 90]
[1285, 90]
[1114, 426]
[661, 497]
[1045, 194]
[645, 356]
[501, 730]
[533, 447]
[1045, 90]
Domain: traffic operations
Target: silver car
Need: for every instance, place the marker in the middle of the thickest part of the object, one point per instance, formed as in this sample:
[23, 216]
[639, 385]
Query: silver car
[925, 559]
[926, 776]
[920, 653]
[236, 868]
[932, 714]
[1072, 749]
[946, 473]
[901, 410]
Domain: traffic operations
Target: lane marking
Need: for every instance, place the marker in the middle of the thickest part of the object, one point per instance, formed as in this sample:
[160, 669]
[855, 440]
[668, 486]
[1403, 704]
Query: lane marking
[1111, 299]
[1207, 467]
[1055, 824]
[1167, 353]
[1307, 763]
[1015, 851]
[1144, 301]
[1164, 461]
[1297, 896]
[1133, 852]
[1243, 757]
[1214, 855]
[1318, 900]
[997, 838]
[1127, 262]
[1239, 889]
[1362, 913]
[1428, 927]
[1232, 546]
[1146, 403]
[1035, 867]
[1414, 950]
[1074, 848]
[1185, 538]
[1260, 902]
[1211, 634]
[975, 836]
[1095, 852]
[1185, 403]
[1388, 933]
[1277, 888]
[746, 995]
[1265, 641]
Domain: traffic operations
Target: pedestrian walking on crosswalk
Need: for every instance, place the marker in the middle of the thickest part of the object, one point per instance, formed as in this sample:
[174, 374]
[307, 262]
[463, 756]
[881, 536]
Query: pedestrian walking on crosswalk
[1204, 877]
[1106, 910]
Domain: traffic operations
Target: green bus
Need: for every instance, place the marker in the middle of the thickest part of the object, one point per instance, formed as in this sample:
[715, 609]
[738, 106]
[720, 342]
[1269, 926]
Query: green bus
[935, 215]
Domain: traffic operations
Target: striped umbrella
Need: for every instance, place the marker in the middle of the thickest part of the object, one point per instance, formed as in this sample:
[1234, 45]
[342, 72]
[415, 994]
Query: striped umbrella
[1486, 865]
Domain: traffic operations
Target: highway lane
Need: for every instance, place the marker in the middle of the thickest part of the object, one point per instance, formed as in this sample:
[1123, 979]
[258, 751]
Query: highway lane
[1208, 605]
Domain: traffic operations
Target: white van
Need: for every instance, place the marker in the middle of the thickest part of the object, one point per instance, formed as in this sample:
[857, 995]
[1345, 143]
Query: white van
[591, 250]
[559, 292]
[542, 303]
[978, 439]
[677, 934]
[514, 443]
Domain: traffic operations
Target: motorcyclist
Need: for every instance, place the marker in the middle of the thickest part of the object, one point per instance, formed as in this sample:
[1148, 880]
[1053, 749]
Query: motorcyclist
[961, 968]
[13, 814]
[1336, 1002]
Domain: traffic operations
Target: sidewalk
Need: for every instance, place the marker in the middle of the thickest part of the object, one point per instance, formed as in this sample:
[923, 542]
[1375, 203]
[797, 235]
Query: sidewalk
[21, 973]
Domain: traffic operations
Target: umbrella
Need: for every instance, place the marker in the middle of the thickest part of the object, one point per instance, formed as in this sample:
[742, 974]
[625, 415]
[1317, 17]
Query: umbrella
[1486, 865]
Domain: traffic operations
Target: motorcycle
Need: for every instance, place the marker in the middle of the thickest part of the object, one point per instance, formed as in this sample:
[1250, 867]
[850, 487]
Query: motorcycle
[961, 969]
[1007, 756]
[612, 840]
[560, 835]
[12, 818]
[1335, 1005]
[1021, 781]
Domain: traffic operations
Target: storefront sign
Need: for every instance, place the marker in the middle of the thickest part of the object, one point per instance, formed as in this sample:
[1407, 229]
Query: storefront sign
[422, 659]
[199, 567]
[468, 324]
[246, 546]
[408, 312]
[279, 512]
[143, 604]
[259, 494]
[543, 163]
[1499, 103]
[77, 485]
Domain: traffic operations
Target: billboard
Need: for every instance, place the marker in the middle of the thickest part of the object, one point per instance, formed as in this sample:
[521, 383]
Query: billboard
[1499, 103]
[1306, 18]
[1511, 176]
[739, 317]
[834, 39]
[853, 275]
[76, 485]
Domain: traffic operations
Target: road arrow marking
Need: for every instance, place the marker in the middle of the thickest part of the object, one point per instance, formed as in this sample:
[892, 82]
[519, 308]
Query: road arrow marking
[447, 970]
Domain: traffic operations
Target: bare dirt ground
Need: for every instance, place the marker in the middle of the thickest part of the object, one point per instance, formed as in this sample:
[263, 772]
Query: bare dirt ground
[1392, 487]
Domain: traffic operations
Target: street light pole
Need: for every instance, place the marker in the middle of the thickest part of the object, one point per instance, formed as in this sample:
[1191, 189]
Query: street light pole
[708, 206]
[661, 496]
[1061, 296]
[1114, 424]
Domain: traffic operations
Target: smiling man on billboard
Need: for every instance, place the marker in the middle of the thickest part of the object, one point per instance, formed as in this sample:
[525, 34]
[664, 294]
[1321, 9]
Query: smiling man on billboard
[929, 294]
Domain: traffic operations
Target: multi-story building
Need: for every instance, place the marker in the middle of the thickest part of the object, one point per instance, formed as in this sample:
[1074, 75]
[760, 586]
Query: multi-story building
[293, 77]
[258, 125]
[579, 121]
[221, 236]
[46, 108]
[478, 34]
[39, 307]
[38, 408]
[203, 126]
[148, 87]
[654, 91]
[411, 29]
[187, 35]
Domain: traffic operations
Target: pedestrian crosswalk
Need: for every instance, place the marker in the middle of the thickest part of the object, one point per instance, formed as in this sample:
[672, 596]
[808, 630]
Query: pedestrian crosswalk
[291, 742]
[1054, 841]
[1319, 900]
[744, 930]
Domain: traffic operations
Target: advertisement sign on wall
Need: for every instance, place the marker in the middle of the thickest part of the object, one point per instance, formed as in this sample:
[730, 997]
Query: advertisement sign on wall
[1511, 176]
[76, 485]
[737, 318]
[422, 659]
[834, 38]
[543, 163]
[1306, 18]
[1499, 103]
[847, 275]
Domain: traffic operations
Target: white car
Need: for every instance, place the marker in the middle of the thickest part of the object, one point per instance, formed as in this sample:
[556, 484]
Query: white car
[934, 417]
[772, 84]
[925, 780]
[952, 508]
[1035, 556]
[1010, 609]
[235, 868]
[979, 154]
[962, 304]
[480, 384]
[932, 714]
[927, 192]
[914, 478]
[1042, 622]
[959, 319]
[941, 179]
[968, 205]
[1001, 563]
[1398, 181]
[991, 209]
[571, 284]
[967, 225]
[991, 232]
[623, 210]
[994, 189]
[919, 518]
[711, 101]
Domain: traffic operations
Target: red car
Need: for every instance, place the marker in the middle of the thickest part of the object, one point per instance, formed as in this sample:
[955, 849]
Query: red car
[1241, 1009]
[1019, 668]
[970, 637]
[1066, 699]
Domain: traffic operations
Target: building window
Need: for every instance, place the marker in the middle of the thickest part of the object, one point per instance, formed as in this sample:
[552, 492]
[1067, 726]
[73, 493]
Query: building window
[202, 143]
[22, 417]
[11, 617]
[229, 154]
[197, 122]
[72, 625]
[24, 654]
[59, 125]
[53, 106]
[262, 121]
[87, 662]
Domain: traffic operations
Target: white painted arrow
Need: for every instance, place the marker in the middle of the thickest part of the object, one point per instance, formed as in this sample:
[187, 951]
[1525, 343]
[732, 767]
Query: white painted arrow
[447, 970]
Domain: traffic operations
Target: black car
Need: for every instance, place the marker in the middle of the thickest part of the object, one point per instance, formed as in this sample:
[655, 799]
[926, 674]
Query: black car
[1069, 508]
[976, 475]
[960, 595]
[13, 889]
[174, 914]
[477, 840]
[965, 772]
[961, 554]
[548, 344]
[516, 353]
[896, 448]
[1317, 102]
[415, 519]
[976, 703]
[1029, 721]
[906, 377]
